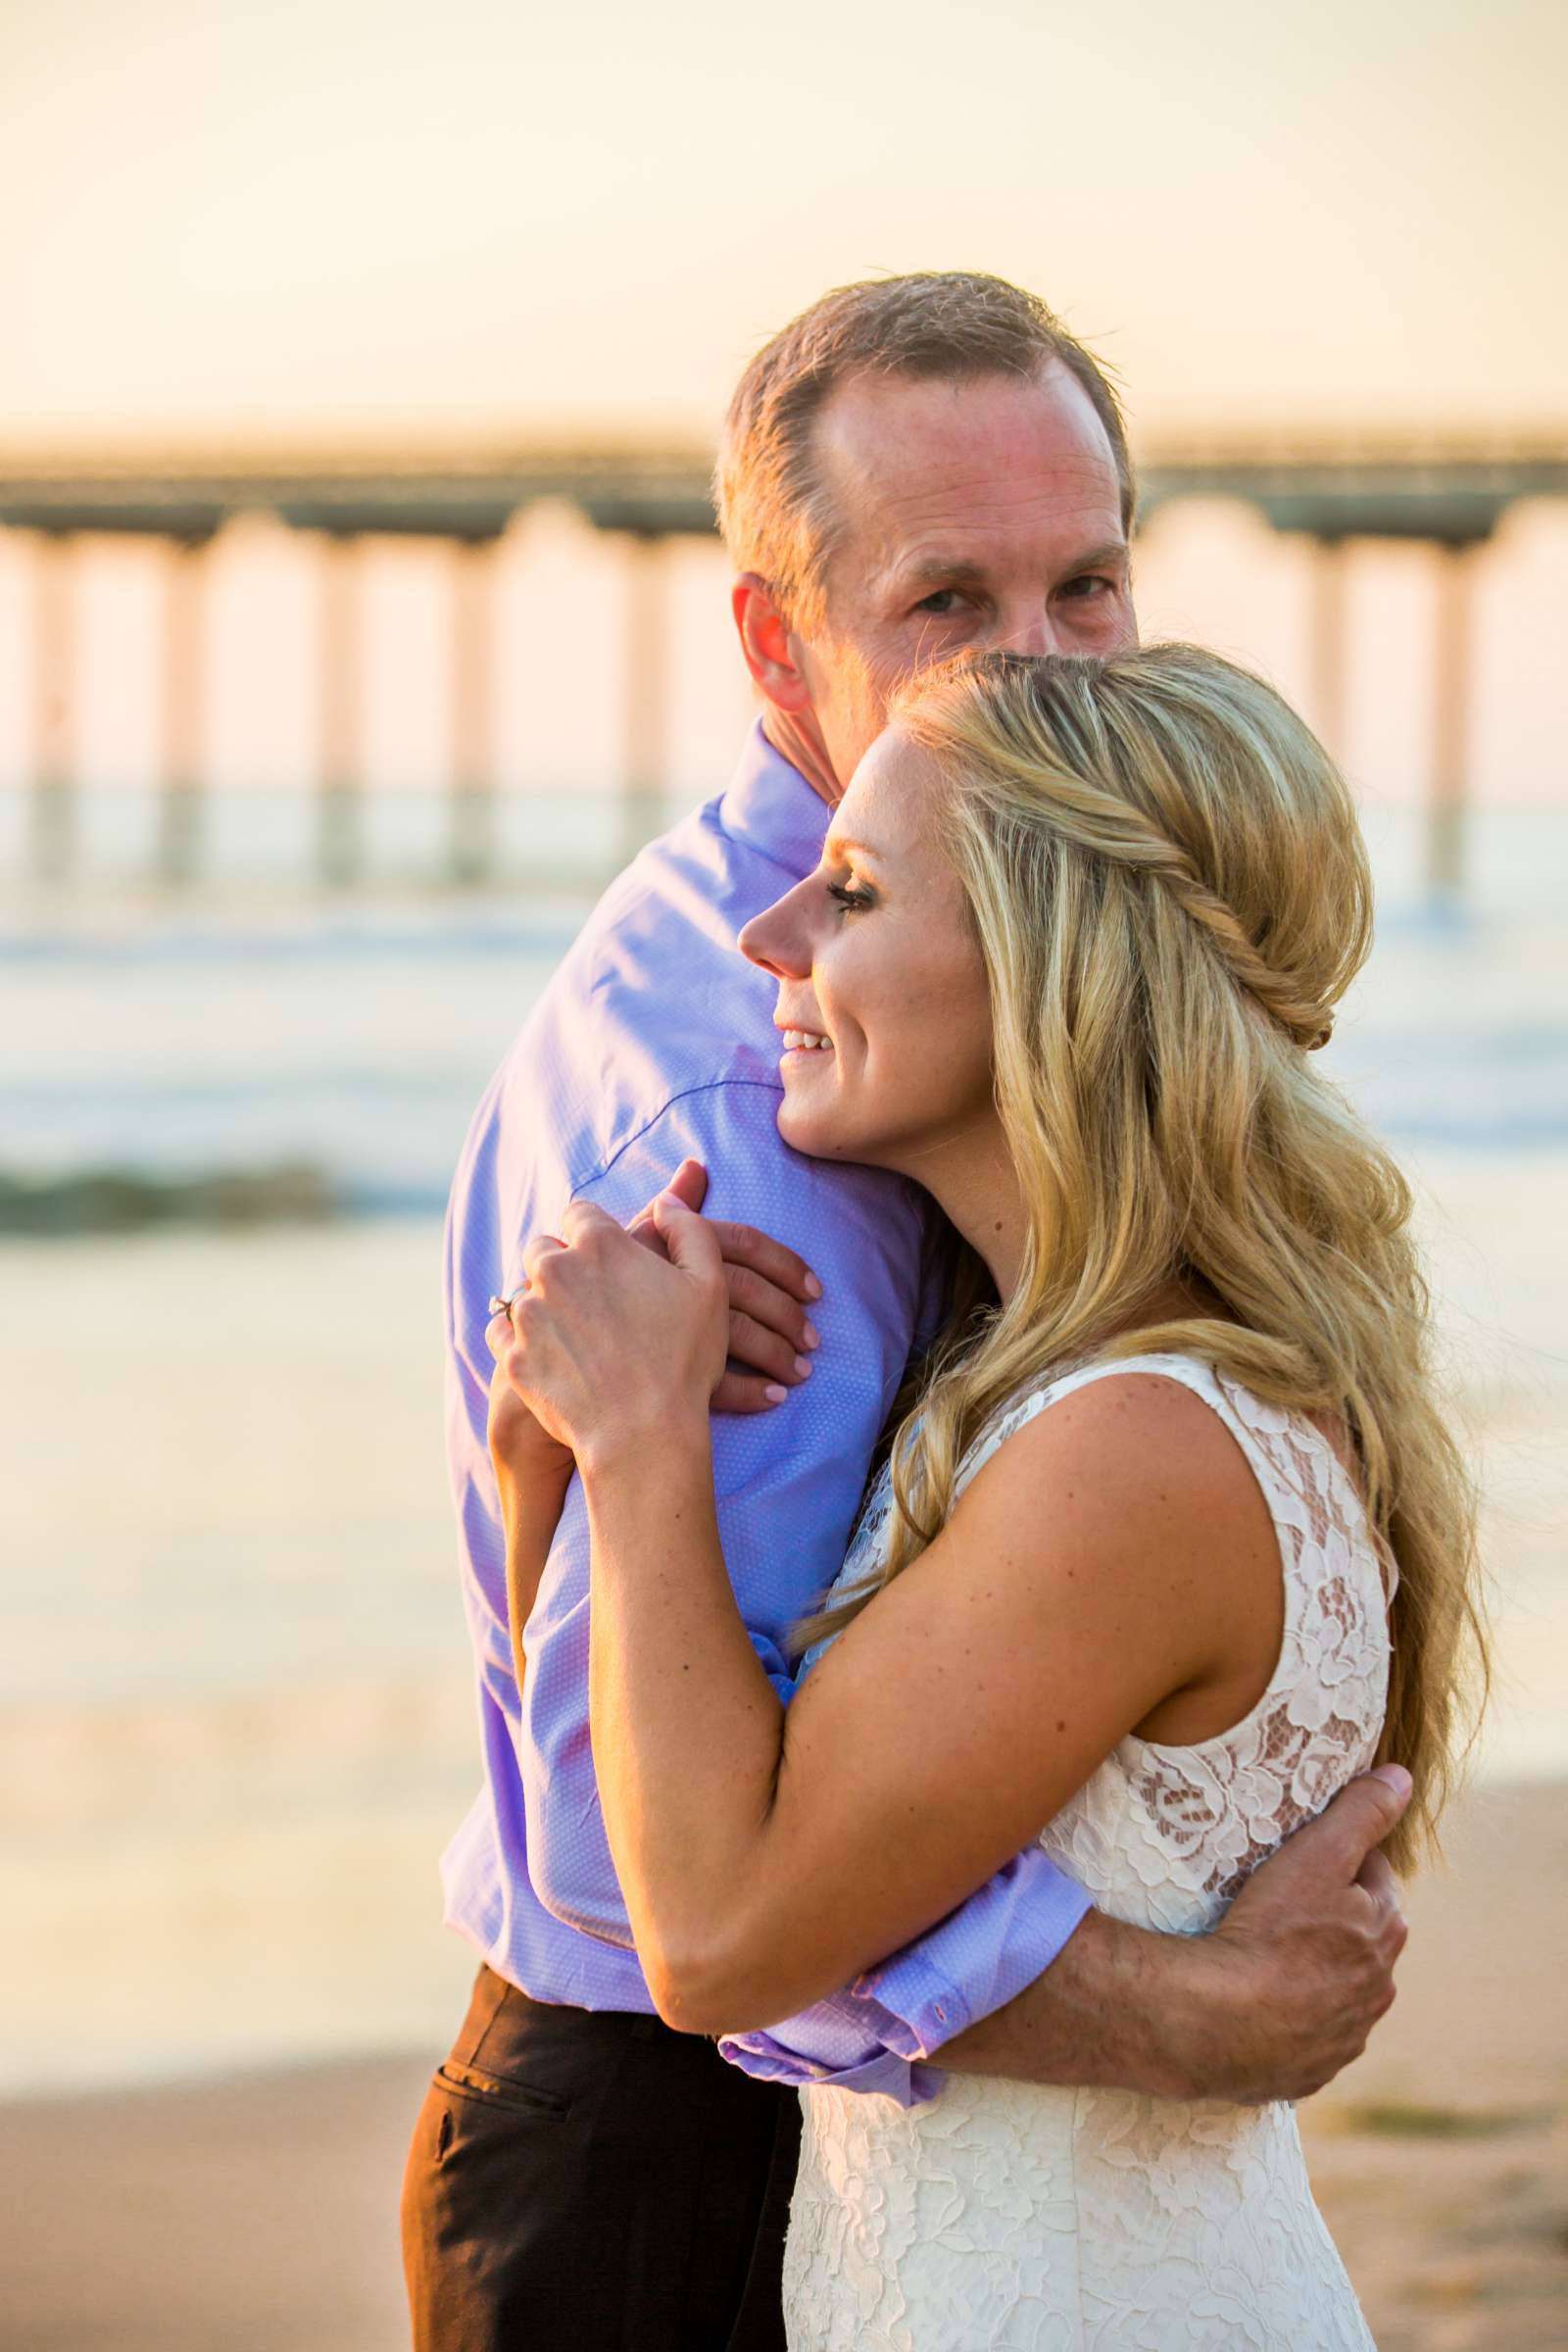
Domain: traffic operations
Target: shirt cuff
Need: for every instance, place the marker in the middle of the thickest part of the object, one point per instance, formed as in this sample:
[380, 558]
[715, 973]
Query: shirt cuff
[977, 1959]
[858, 2062]
[880, 2032]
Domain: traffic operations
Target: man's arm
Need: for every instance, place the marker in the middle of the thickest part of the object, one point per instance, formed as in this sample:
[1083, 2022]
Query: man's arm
[1270, 2005]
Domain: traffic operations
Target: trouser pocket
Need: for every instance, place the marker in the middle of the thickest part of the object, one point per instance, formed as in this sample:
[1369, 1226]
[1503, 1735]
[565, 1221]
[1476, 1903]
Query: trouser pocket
[473, 2083]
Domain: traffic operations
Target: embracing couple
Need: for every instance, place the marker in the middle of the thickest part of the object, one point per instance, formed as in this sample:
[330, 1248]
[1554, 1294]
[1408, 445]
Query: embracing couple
[964, 1563]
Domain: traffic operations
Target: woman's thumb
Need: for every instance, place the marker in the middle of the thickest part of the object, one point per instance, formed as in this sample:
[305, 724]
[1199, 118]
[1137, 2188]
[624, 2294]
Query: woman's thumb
[691, 1244]
[689, 1183]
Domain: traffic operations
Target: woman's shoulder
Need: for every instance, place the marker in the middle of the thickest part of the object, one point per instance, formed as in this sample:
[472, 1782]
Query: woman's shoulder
[1115, 1405]
[1140, 1470]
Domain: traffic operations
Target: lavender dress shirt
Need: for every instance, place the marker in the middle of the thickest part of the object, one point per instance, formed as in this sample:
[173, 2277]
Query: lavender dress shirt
[655, 1042]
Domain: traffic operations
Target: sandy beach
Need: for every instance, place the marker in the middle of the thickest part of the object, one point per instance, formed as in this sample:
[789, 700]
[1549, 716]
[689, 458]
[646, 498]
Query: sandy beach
[259, 2214]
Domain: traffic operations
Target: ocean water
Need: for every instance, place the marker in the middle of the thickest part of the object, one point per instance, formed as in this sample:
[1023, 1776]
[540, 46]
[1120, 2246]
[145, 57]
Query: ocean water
[234, 1709]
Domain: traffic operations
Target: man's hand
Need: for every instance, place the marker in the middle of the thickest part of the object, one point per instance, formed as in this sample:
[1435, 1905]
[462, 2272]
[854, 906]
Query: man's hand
[1271, 2005]
[1303, 1960]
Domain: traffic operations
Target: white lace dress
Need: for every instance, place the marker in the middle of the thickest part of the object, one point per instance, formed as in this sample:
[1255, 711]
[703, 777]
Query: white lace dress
[1003, 2218]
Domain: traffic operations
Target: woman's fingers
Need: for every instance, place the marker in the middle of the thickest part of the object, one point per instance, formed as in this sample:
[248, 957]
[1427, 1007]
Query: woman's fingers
[583, 1217]
[748, 1393]
[754, 1298]
[500, 1331]
[689, 1240]
[783, 1267]
[689, 1184]
[543, 1246]
[753, 1348]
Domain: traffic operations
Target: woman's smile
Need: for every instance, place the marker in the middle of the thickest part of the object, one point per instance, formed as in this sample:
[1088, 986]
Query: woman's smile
[805, 1041]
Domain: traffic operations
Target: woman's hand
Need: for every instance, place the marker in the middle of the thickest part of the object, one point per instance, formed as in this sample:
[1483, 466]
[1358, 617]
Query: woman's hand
[760, 1317]
[618, 1333]
[770, 1290]
[770, 1333]
[523, 1452]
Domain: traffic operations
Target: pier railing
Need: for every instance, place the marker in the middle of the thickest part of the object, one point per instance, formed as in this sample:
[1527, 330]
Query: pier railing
[1448, 494]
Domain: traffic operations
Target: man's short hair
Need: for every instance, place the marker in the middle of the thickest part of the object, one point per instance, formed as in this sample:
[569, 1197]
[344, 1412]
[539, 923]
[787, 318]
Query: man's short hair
[947, 325]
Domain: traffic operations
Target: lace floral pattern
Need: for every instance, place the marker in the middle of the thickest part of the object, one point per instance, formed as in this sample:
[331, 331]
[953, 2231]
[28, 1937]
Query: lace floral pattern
[1003, 2218]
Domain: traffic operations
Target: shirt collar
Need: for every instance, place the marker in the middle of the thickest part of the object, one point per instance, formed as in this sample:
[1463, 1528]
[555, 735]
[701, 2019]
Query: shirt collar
[772, 807]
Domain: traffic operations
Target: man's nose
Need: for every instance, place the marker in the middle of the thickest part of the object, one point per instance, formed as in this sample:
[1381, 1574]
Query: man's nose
[1028, 630]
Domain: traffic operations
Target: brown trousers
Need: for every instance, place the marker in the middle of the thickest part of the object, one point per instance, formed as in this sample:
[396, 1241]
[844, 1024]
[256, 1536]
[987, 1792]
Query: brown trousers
[590, 2180]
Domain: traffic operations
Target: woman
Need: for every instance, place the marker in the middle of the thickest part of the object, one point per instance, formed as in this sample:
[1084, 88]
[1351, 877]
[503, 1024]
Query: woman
[1171, 1544]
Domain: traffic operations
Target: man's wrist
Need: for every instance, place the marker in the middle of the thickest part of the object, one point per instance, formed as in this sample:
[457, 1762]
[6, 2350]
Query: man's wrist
[1143, 1992]
[1202, 2019]
[1121, 2008]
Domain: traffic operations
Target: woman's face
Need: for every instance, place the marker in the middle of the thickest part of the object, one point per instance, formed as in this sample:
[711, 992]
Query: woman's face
[882, 992]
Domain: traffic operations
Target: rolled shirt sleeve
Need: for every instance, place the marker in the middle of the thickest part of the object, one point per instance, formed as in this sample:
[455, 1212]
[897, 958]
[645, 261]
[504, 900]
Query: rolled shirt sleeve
[880, 2033]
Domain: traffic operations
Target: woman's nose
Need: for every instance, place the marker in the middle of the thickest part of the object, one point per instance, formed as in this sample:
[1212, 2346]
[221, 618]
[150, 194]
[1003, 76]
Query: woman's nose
[777, 938]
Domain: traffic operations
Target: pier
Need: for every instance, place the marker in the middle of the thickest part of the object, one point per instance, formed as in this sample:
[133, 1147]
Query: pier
[1445, 494]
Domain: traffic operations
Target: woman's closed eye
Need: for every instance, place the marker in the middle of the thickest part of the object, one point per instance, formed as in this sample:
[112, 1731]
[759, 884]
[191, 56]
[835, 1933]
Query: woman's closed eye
[848, 898]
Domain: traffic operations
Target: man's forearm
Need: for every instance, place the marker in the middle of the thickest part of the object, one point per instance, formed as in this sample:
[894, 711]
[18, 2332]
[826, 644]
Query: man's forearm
[1268, 2004]
[1115, 2008]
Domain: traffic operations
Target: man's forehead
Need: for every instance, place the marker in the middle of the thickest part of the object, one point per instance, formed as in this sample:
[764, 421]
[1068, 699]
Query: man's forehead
[929, 475]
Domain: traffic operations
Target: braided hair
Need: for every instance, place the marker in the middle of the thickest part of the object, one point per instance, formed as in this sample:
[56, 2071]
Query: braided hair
[1170, 892]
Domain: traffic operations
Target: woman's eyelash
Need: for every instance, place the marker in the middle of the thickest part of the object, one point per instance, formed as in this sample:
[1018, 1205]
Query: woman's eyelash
[848, 898]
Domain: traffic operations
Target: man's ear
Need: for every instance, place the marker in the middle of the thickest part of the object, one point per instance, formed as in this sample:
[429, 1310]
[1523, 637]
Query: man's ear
[768, 645]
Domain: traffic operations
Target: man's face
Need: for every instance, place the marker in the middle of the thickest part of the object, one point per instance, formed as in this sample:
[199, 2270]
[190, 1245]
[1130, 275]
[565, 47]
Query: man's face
[985, 513]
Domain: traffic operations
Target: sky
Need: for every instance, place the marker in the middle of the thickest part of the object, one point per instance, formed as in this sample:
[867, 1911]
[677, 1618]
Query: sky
[324, 223]
[218, 219]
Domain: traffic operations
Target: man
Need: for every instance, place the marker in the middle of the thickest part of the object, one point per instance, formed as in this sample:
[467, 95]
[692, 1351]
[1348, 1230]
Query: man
[910, 467]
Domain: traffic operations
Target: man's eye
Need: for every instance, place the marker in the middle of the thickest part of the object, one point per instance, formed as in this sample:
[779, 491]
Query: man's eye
[939, 601]
[850, 899]
[1090, 585]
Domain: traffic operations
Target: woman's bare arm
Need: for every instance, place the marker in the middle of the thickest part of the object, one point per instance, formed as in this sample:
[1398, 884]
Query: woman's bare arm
[532, 1475]
[1101, 1562]
[718, 1812]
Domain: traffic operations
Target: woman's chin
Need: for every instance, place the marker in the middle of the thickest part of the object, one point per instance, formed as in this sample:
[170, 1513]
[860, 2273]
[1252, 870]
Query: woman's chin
[820, 1137]
[809, 1132]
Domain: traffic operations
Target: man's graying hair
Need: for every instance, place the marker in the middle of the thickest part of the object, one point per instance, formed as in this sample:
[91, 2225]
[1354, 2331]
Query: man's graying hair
[945, 326]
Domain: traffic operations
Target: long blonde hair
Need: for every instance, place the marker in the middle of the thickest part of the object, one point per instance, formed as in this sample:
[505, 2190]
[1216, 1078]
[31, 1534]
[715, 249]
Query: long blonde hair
[1170, 891]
